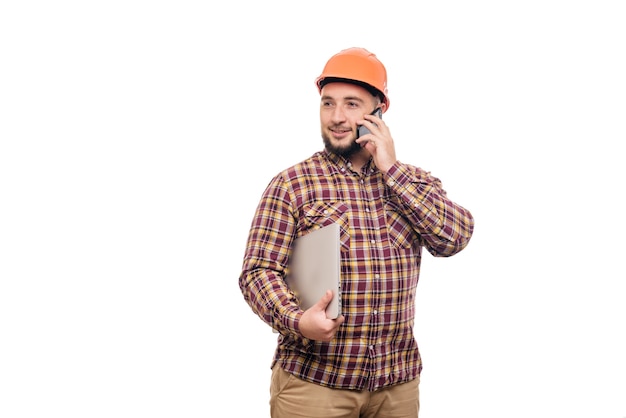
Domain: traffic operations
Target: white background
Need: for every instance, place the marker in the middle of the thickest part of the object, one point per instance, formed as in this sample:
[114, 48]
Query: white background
[137, 137]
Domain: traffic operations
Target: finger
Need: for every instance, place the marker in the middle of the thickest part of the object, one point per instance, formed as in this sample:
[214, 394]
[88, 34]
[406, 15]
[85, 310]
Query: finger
[325, 300]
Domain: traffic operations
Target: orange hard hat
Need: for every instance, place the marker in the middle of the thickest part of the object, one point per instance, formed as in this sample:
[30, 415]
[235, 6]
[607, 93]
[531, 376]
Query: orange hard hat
[357, 66]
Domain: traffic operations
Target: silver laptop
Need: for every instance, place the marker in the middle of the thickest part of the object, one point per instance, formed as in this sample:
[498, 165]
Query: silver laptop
[315, 267]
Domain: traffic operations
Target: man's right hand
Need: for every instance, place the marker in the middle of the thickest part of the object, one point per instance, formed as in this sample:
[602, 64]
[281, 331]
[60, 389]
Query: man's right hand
[315, 326]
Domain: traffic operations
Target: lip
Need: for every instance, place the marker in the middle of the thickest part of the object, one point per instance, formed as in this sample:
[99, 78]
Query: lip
[340, 133]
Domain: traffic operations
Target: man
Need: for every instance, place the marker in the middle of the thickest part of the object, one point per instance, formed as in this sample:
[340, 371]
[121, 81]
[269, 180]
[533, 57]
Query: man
[364, 363]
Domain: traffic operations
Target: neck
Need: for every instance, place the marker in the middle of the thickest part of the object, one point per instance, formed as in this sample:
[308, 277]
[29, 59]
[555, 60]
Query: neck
[359, 159]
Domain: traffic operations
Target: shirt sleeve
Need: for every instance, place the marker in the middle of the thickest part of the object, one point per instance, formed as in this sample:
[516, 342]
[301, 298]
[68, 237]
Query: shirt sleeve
[445, 226]
[265, 261]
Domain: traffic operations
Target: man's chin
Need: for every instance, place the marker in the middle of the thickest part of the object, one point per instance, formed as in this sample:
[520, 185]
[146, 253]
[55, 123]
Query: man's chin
[345, 147]
[343, 150]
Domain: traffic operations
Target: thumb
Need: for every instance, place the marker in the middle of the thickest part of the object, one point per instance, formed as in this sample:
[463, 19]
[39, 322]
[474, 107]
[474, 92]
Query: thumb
[324, 301]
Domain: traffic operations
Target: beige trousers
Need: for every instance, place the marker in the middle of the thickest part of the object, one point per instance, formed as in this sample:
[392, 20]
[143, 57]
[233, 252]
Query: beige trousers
[291, 397]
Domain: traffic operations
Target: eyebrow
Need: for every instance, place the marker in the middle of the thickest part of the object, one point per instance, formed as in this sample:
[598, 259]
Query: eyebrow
[346, 98]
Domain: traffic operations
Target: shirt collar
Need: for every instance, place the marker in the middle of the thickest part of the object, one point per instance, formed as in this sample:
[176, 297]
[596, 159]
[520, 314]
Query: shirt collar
[341, 162]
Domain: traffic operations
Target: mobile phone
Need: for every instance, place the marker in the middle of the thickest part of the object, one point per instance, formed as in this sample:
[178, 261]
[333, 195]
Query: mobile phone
[362, 130]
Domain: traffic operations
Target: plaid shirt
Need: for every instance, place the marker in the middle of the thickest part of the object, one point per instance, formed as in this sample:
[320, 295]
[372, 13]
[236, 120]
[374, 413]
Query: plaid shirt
[385, 221]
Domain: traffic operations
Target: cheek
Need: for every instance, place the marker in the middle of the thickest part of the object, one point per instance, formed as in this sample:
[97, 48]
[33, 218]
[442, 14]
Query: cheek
[326, 118]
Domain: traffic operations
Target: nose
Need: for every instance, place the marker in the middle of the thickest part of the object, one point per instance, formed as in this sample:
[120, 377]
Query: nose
[338, 115]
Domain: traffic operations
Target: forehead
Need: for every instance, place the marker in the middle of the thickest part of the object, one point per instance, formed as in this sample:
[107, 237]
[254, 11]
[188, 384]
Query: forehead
[345, 91]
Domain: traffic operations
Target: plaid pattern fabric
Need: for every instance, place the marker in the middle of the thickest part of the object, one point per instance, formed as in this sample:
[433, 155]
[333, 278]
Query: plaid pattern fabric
[385, 222]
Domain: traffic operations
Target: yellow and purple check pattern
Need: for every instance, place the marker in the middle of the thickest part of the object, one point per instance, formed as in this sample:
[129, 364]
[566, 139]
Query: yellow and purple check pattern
[386, 220]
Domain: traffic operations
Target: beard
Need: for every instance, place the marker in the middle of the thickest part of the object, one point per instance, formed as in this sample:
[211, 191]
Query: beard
[345, 151]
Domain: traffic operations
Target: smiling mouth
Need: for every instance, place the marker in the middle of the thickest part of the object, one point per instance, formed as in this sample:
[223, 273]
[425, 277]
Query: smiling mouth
[340, 130]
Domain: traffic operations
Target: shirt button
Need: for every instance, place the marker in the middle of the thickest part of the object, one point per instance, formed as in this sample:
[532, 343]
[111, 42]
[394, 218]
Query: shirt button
[375, 312]
[391, 182]
[325, 212]
[373, 241]
[377, 276]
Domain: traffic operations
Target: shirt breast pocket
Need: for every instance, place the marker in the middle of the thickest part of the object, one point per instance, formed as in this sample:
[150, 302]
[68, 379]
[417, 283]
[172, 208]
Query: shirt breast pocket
[401, 234]
[319, 214]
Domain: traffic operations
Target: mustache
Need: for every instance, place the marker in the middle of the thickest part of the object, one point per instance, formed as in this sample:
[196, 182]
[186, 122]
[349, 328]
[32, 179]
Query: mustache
[340, 128]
